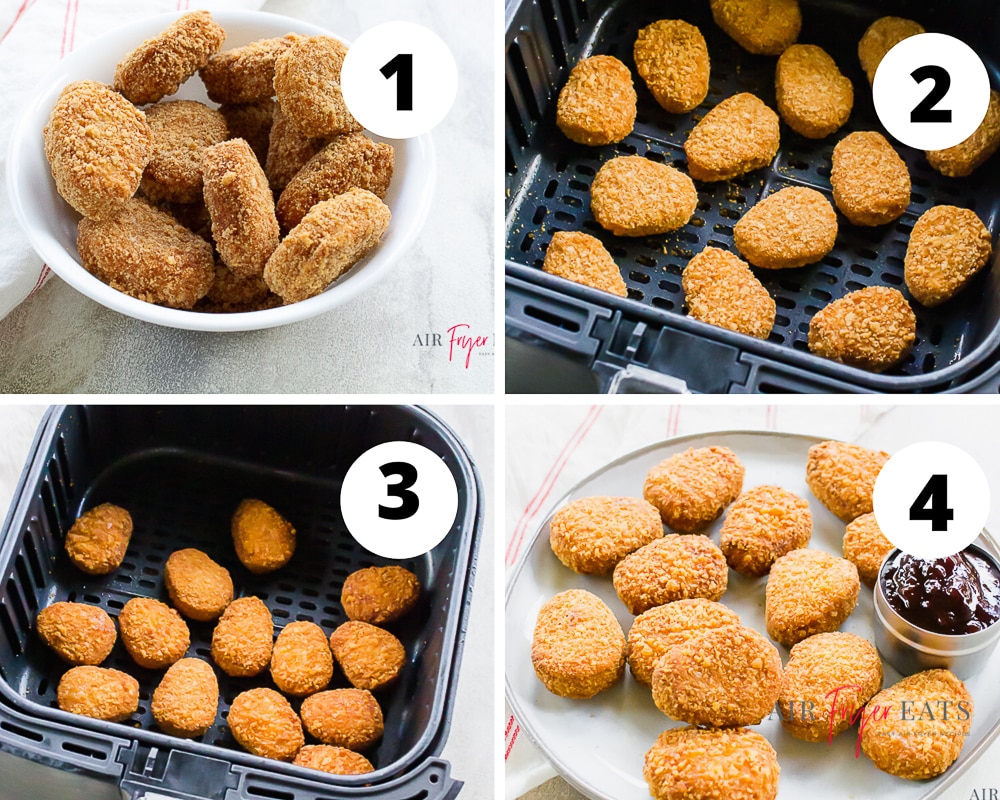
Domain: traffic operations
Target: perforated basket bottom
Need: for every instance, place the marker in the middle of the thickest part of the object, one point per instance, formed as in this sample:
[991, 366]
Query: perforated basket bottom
[557, 197]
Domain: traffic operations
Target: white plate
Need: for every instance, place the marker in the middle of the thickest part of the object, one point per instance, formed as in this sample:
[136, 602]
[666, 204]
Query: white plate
[598, 745]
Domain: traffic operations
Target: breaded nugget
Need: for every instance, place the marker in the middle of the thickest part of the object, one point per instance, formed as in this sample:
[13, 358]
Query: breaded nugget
[581, 258]
[597, 104]
[871, 184]
[369, 657]
[691, 489]
[735, 764]
[253, 123]
[99, 693]
[948, 245]
[813, 97]
[865, 546]
[307, 83]
[633, 196]
[80, 634]
[379, 594]
[871, 328]
[348, 718]
[672, 58]
[263, 722]
[809, 592]
[334, 236]
[187, 699]
[301, 662]
[828, 671]
[739, 135]
[264, 540]
[592, 534]
[960, 160]
[842, 476]
[790, 228]
[720, 289]
[198, 587]
[243, 637]
[97, 145]
[762, 525]
[721, 677]
[232, 293]
[578, 648]
[764, 27]
[288, 151]
[882, 35]
[181, 130]
[153, 633]
[97, 541]
[245, 74]
[676, 567]
[336, 760]
[655, 631]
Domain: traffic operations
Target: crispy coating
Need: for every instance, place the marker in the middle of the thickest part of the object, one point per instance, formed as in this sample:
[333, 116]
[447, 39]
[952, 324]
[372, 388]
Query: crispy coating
[578, 648]
[672, 58]
[307, 82]
[655, 631]
[79, 634]
[838, 671]
[97, 145]
[676, 567]
[379, 594]
[919, 725]
[880, 37]
[691, 489]
[633, 196]
[153, 633]
[231, 293]
[263, 722]
[99, 693]
[348, 718]
[264, 540]
[871, 184]
[865, 546]
[721, 677]
[960, 160]
[842, 476]
[872, 328]
[301, 662]
[597, 104]
[764, 27]
[369, 657]
[245, 74]
[334, 236]
[948, 245]
[181, 130]
[720, 289]
[808, 592]
[592, 534]
[198, 587]
[243, 637]
[813, 97]
[288, 151]
[580, 257]
[790, 228]
[728, 764]
[336, 760]
[253, 123]
[97, 541]
[739, 135]
[187, 699]
[762, 525]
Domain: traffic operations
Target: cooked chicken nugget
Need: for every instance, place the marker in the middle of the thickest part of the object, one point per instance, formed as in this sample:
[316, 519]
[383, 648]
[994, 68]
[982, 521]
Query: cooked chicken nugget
[251, 122]
[672, 58]
[79, 634]
[97, 145]
[960, 160]
[871, 184]
[691, 489]
[301, 662]
[307, 83]
[739, 135]
[720, 289]
[348, 718]
[865, 546]
[97, 541]
[592, 534]
[153, 633]
[245, 74]
[762, 525]
[813, 97]
[597, 104]
[764, 27]
[842, 476]
[581, 258]
[336, 760]
[99, 693]
[182, 130]
[633, 196]
[379, 594]
[872, 328]
[369, 657]
[187, 699]
[880, 37]
[198, 587]
[948, 245]
[288, 151]
[808, 592]
[232, 293]
[578, 648]
[790, 228]
[263, 722]
[264, 540]
[243, 638]
[676, 567]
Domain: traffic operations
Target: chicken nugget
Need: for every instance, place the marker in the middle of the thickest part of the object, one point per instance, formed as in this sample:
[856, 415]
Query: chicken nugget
[369, 657]
[676, 567]
[578, 648]
[99, 693]
[187, 699]
[232, 293]
[948, 245]
[739, 135]
[871, 184]
[97, 145]
[198, 587]
[581, 258]
[253, 123]
[182, 130]
[79, 634]
[764, 27]
[880, 37]
[672, 58]
[720, 289]
[813, 97]
[762, 525]
[336, 760]
[960, 161]
[334, 236]
[592, 534]
[97, 541]
[154, 634]
[288, 151]
[633, 196]
[871, 328]
[301, 662]
[264, 540]
[243, 638]
[866, 547]
[655, 631]
[263, 722]
[808, 592]
[691, 489]
[597, 104]
[307, 83]
[245, 74]
[790, 228]
[842, 476]
[348, 718]
[379, 594]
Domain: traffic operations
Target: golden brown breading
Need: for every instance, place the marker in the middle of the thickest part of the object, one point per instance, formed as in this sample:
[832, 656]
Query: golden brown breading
[580, 257]
[948, 245]
[720, 289]
[379, 594]
[263, 722]
[187, 699]
[99, 693]
[597, 104]
[633, 196]
[842, 476]
[762, 525]
[79, 634]
[182, 130]
[348, 718]
[288, 151]
[336, 760]
[264, 540]
[865, 546]
[880, 37]
[153, 633]
[232, 293]
[871, 184]
[253, 123]
[790, 228]
[301, 662]
[243, 638]
[307, 83]
[691, 489]
[245, 74]
[813, 97]
[960, 160]
[369, 657]
[592, 534]
[198, 587]
[672, 58]
[764, 27]
[578, 648]
[739, 135]
[676, 567]
[97, 541]
[809, 592]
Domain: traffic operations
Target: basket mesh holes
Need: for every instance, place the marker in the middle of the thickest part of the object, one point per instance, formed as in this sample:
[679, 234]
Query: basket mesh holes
[662, 302]
[540, 213]
[550, 189]
[563, 216]
[854, 286]
[527, 242]
[570, 200]
[784, 302]
[24, 733]
[269, 792]
[635, 294]
[781, 320]
[821, 295]
[639, 277]
[720, 228]
[118, 605]
[579, 186]
[860, 269]
[889, 277]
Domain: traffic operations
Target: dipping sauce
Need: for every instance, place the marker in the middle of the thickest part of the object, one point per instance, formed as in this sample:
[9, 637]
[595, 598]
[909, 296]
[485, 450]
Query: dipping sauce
[954, 595]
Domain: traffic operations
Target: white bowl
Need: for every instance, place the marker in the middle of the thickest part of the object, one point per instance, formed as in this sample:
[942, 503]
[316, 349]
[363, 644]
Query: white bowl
[50, 223]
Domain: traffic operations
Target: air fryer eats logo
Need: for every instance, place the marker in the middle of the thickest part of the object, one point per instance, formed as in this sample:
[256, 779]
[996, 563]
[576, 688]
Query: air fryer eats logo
[460, 340]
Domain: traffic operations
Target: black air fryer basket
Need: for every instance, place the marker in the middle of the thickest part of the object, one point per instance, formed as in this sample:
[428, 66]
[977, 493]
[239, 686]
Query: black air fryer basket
[181, 471]
[646, 338]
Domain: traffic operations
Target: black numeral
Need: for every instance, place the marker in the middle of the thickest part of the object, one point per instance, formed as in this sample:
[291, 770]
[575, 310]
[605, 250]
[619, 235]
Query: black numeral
[402, 67]
[408, 501]
[935, 493]
[924, 110]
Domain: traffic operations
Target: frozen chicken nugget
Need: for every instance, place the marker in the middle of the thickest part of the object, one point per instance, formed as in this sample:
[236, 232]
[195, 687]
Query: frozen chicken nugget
[288, 151]
[865, 546]
[581, 258]
[348, 718]
[97, 145]
[153, 633]
[675, 567]
[187, 699]
[880, 37]
[369, 657]
[592, 534]
[948, 245]
[842, 476]
[307, 83]
[301, 662]
[578, 648]
[97, 541]
[245, 74]
[99, 693]
[263, 722]
[335, 760]
[764, 27]
[243, 638]
[378, 595]
[691, 489]
[960, 160]
[871, 328]
[253, 123]
[672, 58]
[871, 184]
[813, 97]
[790, 228]
[739, 135]
[198, 587]
[633, 196]
[264, 540]
[79, 634]
[809, 592]
[761, 526]
[720, 289]
[597, 104]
